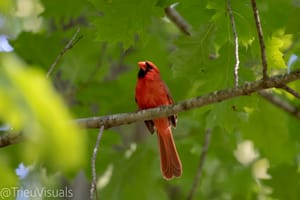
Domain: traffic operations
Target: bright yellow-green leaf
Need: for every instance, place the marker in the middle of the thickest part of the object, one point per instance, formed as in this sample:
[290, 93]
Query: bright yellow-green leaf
[275, 47]
[29, 103]
[5, 5]
[6, 174]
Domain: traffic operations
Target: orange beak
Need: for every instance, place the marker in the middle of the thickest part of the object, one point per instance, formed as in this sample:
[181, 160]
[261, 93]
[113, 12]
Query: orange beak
[142, 65]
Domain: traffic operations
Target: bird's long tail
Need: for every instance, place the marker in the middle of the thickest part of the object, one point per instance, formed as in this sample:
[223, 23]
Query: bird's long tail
[170, 163]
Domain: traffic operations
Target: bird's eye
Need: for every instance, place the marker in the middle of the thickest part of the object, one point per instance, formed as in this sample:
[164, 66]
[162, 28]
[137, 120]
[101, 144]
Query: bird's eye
[148, 66]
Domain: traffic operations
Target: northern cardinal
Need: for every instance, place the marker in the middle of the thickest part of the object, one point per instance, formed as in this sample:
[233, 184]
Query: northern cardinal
[152, 92]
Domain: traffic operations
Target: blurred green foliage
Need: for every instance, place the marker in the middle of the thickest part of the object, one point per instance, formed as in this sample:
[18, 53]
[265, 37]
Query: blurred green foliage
[97, 76]
[29, 105]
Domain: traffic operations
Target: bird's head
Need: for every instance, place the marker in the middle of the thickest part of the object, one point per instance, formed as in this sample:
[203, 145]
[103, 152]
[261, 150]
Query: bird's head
[148, 69]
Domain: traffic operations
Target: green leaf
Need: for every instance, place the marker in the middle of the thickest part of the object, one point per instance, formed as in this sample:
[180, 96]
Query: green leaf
[275, 46]
[62, 11]
[285, 181]
[29, 104]
[267, 132]
[121, 22]
[195, 13]
[7, 173]
[6, 6]
[44, 50]
[193, 60]
[230, 114]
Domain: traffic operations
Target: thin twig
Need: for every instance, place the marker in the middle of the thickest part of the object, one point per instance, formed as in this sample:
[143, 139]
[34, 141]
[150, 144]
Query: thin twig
[68, 46]
[261, 40]
[178, 20]
[198, 176]
[291, 91]
[93, 190]
[196, 102]
[236, 45]
[276, 100]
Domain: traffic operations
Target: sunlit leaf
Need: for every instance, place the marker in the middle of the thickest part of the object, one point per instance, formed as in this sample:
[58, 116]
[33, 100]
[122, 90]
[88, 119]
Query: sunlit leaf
[275, 47]
[29, 104]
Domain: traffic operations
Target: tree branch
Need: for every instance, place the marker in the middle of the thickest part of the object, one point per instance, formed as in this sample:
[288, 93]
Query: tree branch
[178, 20]
[10, 138]
[291, 91]
[236, 45]
[93, 190]
[196, 102]
[201, 164]
[68, 46]
[284, 105]
[261, 40]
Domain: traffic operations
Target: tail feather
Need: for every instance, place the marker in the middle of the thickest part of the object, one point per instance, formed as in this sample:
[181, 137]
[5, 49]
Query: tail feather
[170, 163]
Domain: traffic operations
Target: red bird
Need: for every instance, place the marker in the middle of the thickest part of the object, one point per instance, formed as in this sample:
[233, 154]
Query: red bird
[151, 92]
